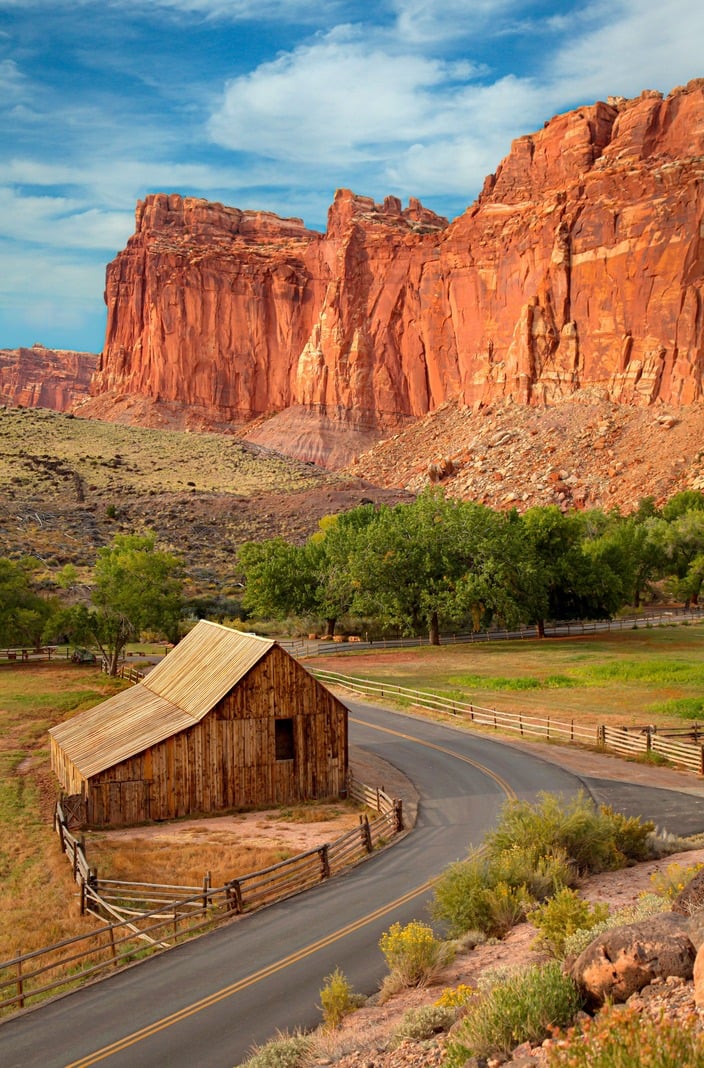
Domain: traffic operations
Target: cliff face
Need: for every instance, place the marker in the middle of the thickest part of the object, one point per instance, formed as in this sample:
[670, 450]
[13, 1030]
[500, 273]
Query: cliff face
[580, 264]
[45, 378]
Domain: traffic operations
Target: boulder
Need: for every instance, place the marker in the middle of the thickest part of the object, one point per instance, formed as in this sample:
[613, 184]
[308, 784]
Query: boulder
[623, 960]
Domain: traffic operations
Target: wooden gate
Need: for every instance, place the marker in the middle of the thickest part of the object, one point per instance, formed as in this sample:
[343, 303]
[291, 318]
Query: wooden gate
[75, 811]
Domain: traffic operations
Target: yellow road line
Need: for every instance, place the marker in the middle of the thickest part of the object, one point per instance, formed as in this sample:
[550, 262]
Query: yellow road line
[301, 954]
[498, 779]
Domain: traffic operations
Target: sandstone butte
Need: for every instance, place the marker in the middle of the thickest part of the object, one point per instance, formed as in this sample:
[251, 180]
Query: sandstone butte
[38, 377]
[580, 265]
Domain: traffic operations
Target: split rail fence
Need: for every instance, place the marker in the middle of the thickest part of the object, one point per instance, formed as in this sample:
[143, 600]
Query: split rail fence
[145, 918]
[634, 742]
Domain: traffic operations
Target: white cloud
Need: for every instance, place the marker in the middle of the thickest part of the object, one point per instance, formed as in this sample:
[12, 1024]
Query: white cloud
[11, 78]
[61, 222]
[422, 23]
[638, 44]
[339, 100]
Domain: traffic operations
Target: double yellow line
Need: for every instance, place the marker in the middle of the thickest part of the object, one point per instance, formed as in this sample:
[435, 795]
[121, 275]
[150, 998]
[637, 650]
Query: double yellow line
[301, 954]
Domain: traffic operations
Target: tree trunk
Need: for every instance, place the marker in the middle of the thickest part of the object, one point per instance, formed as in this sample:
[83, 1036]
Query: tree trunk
[434, 635]
[114, 660]
[330, 626]
[541, 628]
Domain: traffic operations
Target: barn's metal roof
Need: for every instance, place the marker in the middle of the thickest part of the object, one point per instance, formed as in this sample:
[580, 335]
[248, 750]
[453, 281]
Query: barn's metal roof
[176, 694]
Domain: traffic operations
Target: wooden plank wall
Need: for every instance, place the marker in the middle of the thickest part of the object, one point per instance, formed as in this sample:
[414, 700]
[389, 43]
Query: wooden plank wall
[228, 759]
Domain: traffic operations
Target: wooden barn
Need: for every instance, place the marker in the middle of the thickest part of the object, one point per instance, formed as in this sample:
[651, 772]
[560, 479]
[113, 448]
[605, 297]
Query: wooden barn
[225, 720]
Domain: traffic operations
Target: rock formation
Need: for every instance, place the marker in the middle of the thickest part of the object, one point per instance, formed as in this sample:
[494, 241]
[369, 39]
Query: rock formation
[623, 960]
[581, 264]
[45, 378]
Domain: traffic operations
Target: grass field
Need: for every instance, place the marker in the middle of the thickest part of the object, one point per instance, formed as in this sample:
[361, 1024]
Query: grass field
[38, 900]
[628, 678]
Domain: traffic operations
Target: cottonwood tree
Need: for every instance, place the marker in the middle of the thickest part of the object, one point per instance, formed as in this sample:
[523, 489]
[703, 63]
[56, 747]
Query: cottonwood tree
[136, 587]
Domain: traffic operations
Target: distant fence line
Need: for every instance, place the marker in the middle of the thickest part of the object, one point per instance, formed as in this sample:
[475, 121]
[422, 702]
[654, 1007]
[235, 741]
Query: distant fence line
[633, 742]
[564, 629]
[148, 917]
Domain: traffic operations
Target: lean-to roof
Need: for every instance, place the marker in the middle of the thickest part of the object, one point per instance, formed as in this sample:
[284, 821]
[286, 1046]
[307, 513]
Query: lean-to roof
[176, 694]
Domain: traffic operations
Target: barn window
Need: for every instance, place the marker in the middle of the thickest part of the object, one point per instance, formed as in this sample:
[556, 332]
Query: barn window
[284, 739]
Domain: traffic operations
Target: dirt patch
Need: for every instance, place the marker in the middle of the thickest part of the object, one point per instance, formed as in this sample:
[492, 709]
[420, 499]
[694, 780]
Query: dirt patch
[179, 852]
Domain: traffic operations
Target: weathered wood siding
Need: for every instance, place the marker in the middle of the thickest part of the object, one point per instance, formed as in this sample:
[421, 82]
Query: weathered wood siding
[229, 758]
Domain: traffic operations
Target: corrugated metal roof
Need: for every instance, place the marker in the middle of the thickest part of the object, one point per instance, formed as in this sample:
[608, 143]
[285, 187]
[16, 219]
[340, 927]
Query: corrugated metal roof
[205, 665]
[176, 694]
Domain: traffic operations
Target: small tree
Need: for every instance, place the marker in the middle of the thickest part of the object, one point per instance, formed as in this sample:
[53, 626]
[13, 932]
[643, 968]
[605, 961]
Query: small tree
[135, 587]
[23, 612]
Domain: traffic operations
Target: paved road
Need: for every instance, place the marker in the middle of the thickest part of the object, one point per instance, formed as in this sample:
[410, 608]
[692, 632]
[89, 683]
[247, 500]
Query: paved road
[203, 1004]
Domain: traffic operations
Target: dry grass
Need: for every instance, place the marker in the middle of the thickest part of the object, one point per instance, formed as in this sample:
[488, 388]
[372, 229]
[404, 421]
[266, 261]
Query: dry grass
[180, 853]
[38, 902]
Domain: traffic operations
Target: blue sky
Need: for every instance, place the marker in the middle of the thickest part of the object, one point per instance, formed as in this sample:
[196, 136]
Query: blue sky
[274, 104]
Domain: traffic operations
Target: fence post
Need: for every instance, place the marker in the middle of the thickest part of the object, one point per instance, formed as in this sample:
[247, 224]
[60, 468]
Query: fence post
[601, 736]
[206, 888]
[233, 893]
[398, 812]
[520, 723]
[324, 862]
[701, 760]
[20, 985]
[366, 833]
[83, 896]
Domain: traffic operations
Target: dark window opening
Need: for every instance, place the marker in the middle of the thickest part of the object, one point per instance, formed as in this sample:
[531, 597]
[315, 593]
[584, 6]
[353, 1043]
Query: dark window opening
[284, 739]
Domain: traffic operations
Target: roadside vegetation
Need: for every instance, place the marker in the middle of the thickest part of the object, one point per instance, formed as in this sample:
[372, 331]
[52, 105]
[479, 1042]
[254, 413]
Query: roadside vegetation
[539, 849]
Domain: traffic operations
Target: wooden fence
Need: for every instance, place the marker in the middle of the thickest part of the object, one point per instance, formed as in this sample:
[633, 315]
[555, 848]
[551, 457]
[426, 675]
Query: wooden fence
[146, 918]
[633, 742]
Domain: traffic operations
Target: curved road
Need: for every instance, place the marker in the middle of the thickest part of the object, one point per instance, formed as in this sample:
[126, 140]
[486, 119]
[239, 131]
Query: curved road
[206, 1002]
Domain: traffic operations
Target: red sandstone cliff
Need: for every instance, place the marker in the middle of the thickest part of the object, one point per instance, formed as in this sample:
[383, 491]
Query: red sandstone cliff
[45, 378]
[580, 264]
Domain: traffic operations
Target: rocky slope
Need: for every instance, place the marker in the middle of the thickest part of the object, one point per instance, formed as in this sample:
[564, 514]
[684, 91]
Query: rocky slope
[582, 452]
[580, 265]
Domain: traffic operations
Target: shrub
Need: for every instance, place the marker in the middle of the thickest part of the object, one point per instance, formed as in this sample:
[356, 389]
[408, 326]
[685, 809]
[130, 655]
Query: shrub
[591, 837]
[490, 893]
[630, 833]
[286, 1051]
[564, 914]
[422, 1023]
[620, 1037]
[413, 954]
[455, 997]
[337, 999]
[541, 874]
[508, 905]
[523, 1008]
[647, 905]
[670, 882]
[460, 898]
